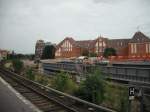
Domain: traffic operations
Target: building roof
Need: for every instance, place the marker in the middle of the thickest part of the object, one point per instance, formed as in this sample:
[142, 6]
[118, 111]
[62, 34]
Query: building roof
[116, 43]
[40, 41]
[139, 37]
[84, 43]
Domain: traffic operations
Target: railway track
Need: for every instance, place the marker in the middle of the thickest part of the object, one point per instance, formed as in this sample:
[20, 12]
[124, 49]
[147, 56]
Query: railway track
[144, 86]
[48, 99]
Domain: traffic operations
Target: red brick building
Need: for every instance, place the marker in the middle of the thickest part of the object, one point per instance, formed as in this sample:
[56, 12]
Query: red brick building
[138, 45]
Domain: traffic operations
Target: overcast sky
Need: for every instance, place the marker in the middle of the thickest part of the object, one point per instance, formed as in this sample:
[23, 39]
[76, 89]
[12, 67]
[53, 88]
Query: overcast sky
[22, 22]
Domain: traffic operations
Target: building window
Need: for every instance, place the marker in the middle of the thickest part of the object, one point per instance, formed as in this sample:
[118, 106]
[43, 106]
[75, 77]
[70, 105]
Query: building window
[104, 44]
[146, 48]
[135, 48]
[96, 49]
[66, 46]
[149, 48]
[99, 46]
[131, 48]
[100, 49]
[58, 52]
[121, 43]
[96, 44]
[70, 47]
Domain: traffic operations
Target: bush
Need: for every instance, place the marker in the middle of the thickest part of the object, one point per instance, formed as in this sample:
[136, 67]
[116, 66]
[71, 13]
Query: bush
[42, 79]
[17, 65]
[29, 74]
[62, 82]
[116, 97]
[92, 89]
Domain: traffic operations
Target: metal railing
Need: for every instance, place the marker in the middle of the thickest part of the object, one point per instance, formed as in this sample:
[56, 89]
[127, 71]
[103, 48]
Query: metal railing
[122, 73]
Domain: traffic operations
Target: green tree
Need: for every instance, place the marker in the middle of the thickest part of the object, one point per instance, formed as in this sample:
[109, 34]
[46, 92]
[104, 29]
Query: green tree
[29, 74]
[48, 52]
[109, 52]
[85, 52]
[92, 89]
[63, 83]
[17, 65]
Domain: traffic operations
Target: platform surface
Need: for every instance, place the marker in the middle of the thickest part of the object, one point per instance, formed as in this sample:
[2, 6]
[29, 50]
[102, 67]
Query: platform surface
[12, 101]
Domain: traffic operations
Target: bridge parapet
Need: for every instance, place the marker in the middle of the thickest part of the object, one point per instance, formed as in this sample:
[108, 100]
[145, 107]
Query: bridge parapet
[119, 73]
[127, 73]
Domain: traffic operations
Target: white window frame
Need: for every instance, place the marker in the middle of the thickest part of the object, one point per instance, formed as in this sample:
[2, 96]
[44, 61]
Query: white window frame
[135, 48]
[149, 47]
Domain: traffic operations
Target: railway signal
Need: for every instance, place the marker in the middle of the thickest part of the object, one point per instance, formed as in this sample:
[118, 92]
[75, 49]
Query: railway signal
[131, 93]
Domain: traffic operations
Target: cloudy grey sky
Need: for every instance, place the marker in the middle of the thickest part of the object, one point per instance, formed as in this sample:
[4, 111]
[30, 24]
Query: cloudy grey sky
[22, 22]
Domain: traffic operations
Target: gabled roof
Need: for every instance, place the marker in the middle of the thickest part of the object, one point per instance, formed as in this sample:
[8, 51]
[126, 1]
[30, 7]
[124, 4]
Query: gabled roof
[81, 43]
[139, 37]
[119, 39]
[84, 43]
[67, 38]
[40, 41]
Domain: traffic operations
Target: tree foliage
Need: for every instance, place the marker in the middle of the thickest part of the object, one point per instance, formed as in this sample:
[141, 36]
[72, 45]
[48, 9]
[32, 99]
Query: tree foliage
[92, 89]
[109, 52]
[42, 79]
[17, 65]
[29, 74]
[85, 52]
[48, 52]
[116, 97]
[20, 56]
[63, 83]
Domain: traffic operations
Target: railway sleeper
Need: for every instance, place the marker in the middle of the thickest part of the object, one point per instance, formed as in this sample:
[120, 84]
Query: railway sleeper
[54, 109]
[41, 101]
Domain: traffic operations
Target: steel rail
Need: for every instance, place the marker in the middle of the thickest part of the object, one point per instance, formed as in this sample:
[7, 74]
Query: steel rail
[88, 104]
[43, 95]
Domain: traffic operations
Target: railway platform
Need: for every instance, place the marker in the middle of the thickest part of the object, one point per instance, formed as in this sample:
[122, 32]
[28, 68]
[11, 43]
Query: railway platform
[12, 101]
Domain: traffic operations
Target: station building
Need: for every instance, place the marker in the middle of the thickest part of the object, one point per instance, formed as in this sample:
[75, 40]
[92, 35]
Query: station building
[137, 46]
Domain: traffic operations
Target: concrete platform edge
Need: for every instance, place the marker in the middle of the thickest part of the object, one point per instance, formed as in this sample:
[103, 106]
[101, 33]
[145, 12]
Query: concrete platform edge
[22, 98]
